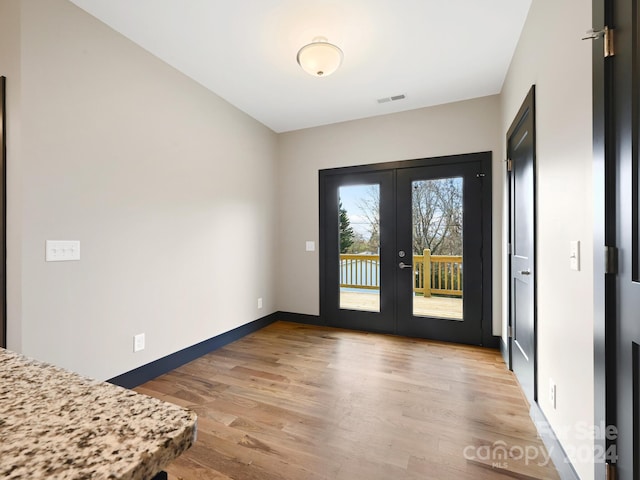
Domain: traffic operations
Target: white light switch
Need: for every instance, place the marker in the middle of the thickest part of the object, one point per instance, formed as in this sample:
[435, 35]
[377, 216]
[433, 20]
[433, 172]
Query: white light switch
[62, 250]
[311, 246]
[574, 255]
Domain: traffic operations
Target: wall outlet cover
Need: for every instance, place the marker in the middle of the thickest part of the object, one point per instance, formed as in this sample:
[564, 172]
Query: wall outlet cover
[138, 342]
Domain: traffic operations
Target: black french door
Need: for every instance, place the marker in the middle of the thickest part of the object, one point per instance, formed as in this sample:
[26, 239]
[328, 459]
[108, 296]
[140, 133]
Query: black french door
[451, 197]
[406, 248]
[348, 302]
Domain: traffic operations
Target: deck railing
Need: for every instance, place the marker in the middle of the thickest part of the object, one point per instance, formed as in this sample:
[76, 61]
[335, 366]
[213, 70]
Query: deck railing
[434, 274]
[437, 274]
[360, 271]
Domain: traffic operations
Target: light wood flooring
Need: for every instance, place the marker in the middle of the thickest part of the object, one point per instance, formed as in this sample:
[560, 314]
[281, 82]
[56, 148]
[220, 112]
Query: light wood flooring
[439, 307]
[298, 402]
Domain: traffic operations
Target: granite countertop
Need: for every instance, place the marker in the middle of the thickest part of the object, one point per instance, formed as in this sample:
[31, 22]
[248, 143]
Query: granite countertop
[55, 424]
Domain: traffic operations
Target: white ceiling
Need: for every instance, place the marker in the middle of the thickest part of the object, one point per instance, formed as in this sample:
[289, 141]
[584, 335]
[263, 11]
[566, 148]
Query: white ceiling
[433, 51]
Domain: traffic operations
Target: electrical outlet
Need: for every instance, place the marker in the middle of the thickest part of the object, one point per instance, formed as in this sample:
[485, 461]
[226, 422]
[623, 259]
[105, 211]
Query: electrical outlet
[138, 342]
[552, 393]
[260, 302]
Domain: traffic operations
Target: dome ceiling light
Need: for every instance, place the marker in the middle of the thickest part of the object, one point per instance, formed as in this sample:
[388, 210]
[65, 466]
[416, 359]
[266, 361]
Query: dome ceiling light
[320, 58]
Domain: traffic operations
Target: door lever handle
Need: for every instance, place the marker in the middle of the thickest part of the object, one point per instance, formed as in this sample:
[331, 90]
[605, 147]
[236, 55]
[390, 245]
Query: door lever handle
[404, 265]
[525, 272]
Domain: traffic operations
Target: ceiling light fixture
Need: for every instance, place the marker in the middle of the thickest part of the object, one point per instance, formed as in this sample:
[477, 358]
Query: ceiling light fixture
[320, 58]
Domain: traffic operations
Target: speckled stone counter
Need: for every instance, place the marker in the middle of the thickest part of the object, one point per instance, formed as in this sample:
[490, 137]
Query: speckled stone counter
[55, 424]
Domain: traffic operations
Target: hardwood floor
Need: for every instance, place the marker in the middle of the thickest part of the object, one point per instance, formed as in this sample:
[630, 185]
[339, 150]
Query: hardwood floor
[300, 402]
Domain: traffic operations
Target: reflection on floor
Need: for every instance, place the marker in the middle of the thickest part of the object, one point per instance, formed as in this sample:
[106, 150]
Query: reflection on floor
[439, 307]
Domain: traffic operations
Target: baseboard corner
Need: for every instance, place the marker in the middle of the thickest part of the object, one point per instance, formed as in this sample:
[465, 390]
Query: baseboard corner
[302, 318]
[143, 374]
[492, 342]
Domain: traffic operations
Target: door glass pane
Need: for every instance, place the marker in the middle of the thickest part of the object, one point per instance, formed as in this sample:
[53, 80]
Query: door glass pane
[437, 247]
[359, 217]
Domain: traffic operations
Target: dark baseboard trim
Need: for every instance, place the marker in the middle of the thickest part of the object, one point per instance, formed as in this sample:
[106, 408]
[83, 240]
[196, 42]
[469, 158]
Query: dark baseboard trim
[492, 342]
[557, 453]
[163, 365]
[305, 319]
[301, 318]
[140, 375]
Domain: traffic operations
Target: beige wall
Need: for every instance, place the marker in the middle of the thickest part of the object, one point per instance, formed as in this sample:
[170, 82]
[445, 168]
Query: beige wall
[170, 190]
[463, 127]
[551, 41]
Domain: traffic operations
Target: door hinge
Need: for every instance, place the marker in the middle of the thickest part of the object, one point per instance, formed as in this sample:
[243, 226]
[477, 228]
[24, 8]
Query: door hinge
[610, 260]
[509, 252]
[610, 472]
[608, 34]
[509, 165]
[510, 331]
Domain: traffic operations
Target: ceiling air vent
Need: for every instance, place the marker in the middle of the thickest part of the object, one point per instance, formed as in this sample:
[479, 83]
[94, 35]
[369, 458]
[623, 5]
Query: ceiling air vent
[391, 99]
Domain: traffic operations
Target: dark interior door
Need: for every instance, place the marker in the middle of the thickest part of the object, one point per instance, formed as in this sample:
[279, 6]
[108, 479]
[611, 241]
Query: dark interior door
[521, 154]
[622, 148]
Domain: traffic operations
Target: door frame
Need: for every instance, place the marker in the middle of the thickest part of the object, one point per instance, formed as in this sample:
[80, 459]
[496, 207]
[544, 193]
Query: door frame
[488, 339]
[604, 185]
[527, 104]
[3, 215]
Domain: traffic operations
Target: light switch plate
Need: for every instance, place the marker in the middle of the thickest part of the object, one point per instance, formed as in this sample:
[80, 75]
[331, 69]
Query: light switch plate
[62, 250]
[574, 255]
[311, 246]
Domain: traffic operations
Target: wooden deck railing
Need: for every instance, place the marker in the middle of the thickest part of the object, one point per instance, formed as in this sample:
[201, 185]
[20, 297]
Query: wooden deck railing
[437, 274]
[434, 274]
[360, 271]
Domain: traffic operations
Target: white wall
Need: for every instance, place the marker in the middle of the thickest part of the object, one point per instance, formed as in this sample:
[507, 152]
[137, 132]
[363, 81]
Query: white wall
[170, 189]
[463, 127]
[552, 56]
